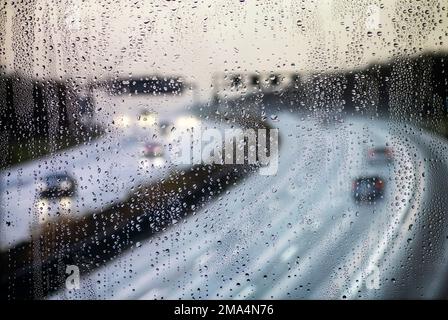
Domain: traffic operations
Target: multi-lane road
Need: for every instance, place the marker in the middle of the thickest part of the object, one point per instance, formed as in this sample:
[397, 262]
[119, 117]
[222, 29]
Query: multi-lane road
[296, 234]
[107, 171]
[299, 233]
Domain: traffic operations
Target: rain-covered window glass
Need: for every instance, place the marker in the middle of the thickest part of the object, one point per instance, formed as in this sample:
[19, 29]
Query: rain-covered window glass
[248, 149]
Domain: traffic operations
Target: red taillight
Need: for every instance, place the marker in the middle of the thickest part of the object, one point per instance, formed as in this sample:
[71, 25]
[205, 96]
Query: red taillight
[379, 184]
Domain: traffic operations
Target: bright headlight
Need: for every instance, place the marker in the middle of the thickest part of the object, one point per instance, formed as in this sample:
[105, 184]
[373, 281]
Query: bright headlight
[122, 121]
[147, 120]
[159, 162]
[65, 204]
[187, 122]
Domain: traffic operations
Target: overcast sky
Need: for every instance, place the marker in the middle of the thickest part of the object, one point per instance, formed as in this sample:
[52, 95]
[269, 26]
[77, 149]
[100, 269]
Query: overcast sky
[94, 38]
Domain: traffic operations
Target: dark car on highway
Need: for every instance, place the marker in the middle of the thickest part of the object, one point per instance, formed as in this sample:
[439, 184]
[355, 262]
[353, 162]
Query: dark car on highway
[57, 186]
[368, 189]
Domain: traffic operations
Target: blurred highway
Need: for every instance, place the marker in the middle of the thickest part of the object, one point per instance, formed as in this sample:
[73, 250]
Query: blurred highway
[356, 210]
[107, 171]
[300, 234]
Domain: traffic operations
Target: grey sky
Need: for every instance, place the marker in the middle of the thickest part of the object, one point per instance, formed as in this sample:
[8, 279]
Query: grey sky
[199, 38]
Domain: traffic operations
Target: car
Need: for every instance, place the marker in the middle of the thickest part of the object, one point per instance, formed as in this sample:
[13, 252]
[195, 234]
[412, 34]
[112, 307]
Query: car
[152, 150]
[59, 185]
[380, 155]
[368, 189]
